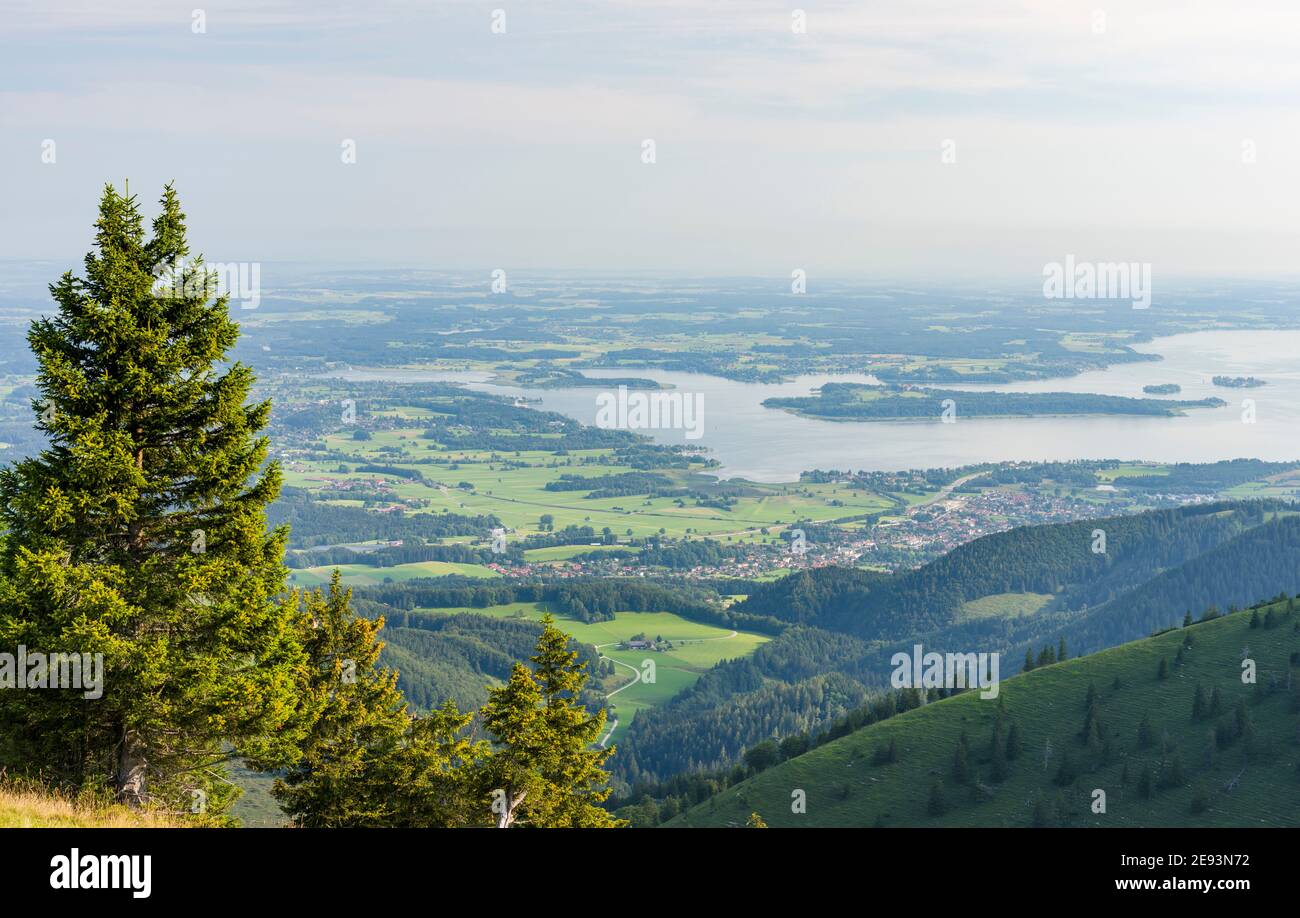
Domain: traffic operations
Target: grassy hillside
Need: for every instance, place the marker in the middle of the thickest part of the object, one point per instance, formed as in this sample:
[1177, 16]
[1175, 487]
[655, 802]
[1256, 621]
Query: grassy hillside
[29, 808]
[849, 782]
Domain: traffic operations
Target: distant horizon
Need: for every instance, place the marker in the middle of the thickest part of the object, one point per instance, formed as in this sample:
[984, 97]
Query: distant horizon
[780, 281]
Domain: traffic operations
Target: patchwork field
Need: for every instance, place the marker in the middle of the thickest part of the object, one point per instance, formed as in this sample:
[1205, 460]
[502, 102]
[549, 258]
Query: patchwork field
[513, 488]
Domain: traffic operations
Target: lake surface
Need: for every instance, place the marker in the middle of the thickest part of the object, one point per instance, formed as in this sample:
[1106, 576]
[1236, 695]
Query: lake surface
[762, 444]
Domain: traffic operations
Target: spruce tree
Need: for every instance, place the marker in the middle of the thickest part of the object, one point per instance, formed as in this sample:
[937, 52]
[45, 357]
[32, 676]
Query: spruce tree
[1093, 733]
[1014, 742]
[1200, 704]
[1145, 732]
[1066, 772]
[139, 532]
[961, 772]
[432, 782]
[999, 769]
[1171, 774]
[545, 769]
[1042, 817]
[1244, 724]
[366, 760]
[938, 802]
[356, 712]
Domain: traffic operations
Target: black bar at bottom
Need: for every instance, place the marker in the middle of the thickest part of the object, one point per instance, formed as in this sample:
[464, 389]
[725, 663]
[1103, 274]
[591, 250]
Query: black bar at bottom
[333, 867]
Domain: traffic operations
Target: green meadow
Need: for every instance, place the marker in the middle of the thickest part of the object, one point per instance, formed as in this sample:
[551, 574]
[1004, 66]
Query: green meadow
[366, 575]
[1004, 605]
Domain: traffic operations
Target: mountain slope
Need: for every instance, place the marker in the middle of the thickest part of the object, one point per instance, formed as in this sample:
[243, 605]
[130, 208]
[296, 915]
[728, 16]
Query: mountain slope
[1237, 767]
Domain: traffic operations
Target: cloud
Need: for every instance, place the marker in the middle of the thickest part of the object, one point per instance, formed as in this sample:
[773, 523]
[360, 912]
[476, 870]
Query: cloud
[526, 145]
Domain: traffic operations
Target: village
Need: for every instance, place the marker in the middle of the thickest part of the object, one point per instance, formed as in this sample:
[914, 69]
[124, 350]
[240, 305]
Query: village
[920, 534]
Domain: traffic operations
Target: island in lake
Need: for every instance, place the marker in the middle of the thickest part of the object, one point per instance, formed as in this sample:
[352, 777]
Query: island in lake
[862, 402]
[553, 377]
[1163, 389]
[1238, 382]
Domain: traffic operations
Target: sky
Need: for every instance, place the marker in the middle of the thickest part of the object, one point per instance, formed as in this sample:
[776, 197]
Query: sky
[924, 139]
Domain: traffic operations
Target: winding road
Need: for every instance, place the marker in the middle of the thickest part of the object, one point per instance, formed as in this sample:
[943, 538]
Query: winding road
[636, 674]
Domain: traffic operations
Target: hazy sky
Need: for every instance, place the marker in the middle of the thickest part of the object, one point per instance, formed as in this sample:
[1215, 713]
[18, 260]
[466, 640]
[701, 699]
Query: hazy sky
[1120, 139]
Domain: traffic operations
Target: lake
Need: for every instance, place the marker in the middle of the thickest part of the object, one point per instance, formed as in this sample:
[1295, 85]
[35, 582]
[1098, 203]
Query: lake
[762, 444]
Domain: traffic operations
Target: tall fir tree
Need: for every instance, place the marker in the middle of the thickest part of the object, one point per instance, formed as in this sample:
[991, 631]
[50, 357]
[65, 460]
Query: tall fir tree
[356, 713]
[1200, 703]
[366, 760]
[961, 770]
[999, 768]
[139, 532]
[546, 769]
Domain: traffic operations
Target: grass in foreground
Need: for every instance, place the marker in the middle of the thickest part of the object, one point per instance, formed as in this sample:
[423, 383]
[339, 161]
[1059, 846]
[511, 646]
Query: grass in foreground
[36, 808]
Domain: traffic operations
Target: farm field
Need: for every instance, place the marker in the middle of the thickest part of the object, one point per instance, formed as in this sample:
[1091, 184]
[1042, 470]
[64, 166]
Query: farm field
[1131, 470]
[1004, 605]
[563, 552]
[367, 575]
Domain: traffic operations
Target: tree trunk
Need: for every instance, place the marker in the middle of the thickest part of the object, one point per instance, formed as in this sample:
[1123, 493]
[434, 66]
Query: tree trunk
[131, 765]
[506, 818]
